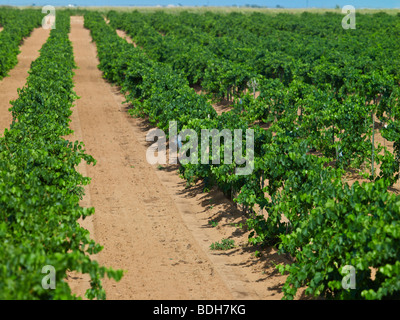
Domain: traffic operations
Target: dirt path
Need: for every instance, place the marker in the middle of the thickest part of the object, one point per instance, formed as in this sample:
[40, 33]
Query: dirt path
[123, 35]
[138, 221]
[17, 76]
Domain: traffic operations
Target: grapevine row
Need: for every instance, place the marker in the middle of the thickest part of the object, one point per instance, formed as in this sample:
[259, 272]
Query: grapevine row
[339, 97]
[17, 24]
[329, 223]
[40, 187]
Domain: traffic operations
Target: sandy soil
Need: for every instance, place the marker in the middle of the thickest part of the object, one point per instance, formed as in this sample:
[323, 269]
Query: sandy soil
[149, 224]
[17, 76]
[123, 35]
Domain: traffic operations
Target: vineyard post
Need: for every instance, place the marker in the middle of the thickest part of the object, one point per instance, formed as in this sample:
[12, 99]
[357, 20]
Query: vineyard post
[262, 190]
[333, 134]
[337, 153]
[373, 141]
[234, 196]
[253, 84]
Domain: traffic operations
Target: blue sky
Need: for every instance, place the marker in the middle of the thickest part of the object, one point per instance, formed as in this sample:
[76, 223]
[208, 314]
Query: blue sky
[268, 3]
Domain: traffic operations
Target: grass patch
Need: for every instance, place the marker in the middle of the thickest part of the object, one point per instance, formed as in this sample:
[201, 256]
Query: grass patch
[225, 244]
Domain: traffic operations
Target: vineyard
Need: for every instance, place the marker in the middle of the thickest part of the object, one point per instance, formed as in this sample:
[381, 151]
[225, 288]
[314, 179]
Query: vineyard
[322, 103]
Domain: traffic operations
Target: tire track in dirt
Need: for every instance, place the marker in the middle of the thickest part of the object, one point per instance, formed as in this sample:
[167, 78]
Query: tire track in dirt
[136, 220]
[17, 76]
